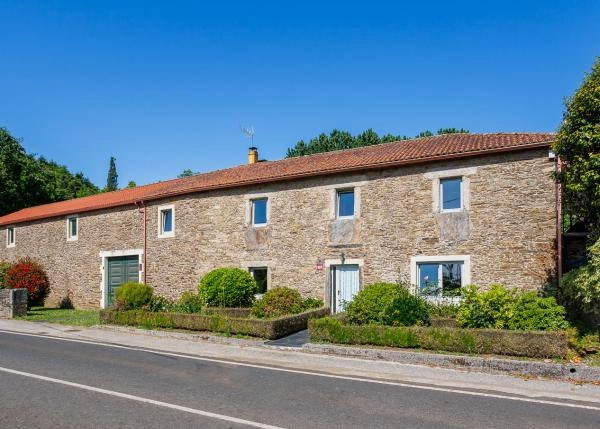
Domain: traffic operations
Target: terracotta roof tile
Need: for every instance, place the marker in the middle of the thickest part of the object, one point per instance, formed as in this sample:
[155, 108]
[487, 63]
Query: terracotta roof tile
[379, 156]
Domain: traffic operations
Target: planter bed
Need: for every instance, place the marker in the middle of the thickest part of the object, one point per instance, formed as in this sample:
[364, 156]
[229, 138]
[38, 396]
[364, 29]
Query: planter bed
[271, 329]
[538, 344]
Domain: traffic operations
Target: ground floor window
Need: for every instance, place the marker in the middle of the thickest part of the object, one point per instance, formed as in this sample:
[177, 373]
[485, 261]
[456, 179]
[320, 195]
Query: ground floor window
[440, 278]
[260, 276]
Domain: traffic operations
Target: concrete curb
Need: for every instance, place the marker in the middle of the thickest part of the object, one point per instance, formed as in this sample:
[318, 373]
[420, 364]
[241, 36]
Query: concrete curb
[570, 372]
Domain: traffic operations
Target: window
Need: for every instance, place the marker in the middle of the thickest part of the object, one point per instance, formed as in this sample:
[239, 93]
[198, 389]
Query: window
[166, 219]
[440, 278]
[260, 276]
[72, 228]
[345, 203]
[10, 236]
[450, 194]
[259, 212]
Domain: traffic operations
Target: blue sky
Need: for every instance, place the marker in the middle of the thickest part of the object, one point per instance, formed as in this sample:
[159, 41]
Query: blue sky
[165, 86]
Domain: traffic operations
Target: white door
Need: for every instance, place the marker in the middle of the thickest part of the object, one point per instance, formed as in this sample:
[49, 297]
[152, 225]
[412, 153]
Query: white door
[345, 281]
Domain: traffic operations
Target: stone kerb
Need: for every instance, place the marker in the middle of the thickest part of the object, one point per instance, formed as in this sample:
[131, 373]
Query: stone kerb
[13, 302]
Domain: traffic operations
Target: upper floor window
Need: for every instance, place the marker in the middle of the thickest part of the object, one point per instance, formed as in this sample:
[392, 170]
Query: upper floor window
[72, 228]
[166, 221]
[259, 212]
[451, 194]
[10, 236]
[345, 203]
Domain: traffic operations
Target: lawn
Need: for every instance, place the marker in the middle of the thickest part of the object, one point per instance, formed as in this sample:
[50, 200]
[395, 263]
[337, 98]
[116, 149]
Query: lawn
[62, 317]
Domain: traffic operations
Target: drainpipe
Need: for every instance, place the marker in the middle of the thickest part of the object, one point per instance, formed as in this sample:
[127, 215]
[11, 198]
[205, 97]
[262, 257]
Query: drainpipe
[559, 215]
[142, 209]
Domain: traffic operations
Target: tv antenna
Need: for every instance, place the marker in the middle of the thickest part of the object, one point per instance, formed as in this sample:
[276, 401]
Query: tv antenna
[249, 133]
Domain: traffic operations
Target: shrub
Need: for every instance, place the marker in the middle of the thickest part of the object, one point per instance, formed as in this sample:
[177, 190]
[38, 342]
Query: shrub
[158, 303]
[277, 302]
[533, 313]
[28, 274]
[486, 309]
[189, 302]
[580, 288]
[387, 304]
[227, 287]
[132, 296]
[442, 310]
[4, 267]
[501, 308]
[311, 302]
[66, 303]
[483, 341]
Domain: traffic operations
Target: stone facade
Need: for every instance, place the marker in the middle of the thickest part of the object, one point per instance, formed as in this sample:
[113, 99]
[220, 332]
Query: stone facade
[507, 229]
[13, 303]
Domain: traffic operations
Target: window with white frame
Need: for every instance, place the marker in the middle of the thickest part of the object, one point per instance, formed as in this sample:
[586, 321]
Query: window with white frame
[166, 221]
[441, 275]
[72, 228]
[345, 204]
[259, 211]
[440, 278]
[451, 199]
[10, 236]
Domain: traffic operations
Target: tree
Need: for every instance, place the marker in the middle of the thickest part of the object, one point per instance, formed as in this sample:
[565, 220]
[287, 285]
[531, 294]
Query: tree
[131, 184]
[27, 181]
[578, 145]
[186, 173]
[337, 140]
[112, 183]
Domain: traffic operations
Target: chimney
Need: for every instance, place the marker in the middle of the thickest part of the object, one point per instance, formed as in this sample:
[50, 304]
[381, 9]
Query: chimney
[252, 155]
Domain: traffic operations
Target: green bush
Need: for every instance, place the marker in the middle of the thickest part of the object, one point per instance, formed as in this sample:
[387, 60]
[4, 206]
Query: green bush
[4, 267]
[483, 341]
[580, 288]
[500, 308]
[486, 309]
[189, 302]
[533, 313]
[227, 287]
[442, 310]
[132, 296]
[387, 304]
[311, 302]
[158, 303]
[277, 302]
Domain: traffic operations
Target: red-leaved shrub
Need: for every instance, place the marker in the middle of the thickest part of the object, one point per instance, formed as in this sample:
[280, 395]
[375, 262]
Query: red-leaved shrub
[28, 274]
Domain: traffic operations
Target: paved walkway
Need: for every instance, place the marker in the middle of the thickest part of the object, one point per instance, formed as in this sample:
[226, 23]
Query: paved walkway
[295, 340]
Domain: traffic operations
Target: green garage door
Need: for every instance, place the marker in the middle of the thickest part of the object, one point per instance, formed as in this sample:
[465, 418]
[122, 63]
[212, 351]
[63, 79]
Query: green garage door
[120, 270]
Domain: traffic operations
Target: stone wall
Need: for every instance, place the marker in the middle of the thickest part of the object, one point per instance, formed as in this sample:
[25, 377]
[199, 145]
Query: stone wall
[13, 303]
[507, 228]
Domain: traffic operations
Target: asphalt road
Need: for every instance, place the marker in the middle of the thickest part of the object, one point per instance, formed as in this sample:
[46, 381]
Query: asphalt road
[51, 383]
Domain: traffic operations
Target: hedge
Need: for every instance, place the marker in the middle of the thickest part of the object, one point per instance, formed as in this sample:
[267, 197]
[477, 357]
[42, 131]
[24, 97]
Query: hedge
[539, 344]
[271, 329]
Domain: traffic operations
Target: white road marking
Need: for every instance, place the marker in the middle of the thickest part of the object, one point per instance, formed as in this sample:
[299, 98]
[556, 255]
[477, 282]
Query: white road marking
[141, 399]
[319, 374]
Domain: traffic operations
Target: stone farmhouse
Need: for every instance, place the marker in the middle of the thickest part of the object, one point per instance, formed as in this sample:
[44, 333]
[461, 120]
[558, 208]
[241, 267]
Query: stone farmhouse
[439, 212]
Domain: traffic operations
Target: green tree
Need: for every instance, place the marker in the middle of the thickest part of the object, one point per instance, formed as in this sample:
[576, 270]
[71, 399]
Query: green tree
[578, 145]
[186, 173]
[112, 183]
[337, 140]
[131, 184]
[27, 181]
